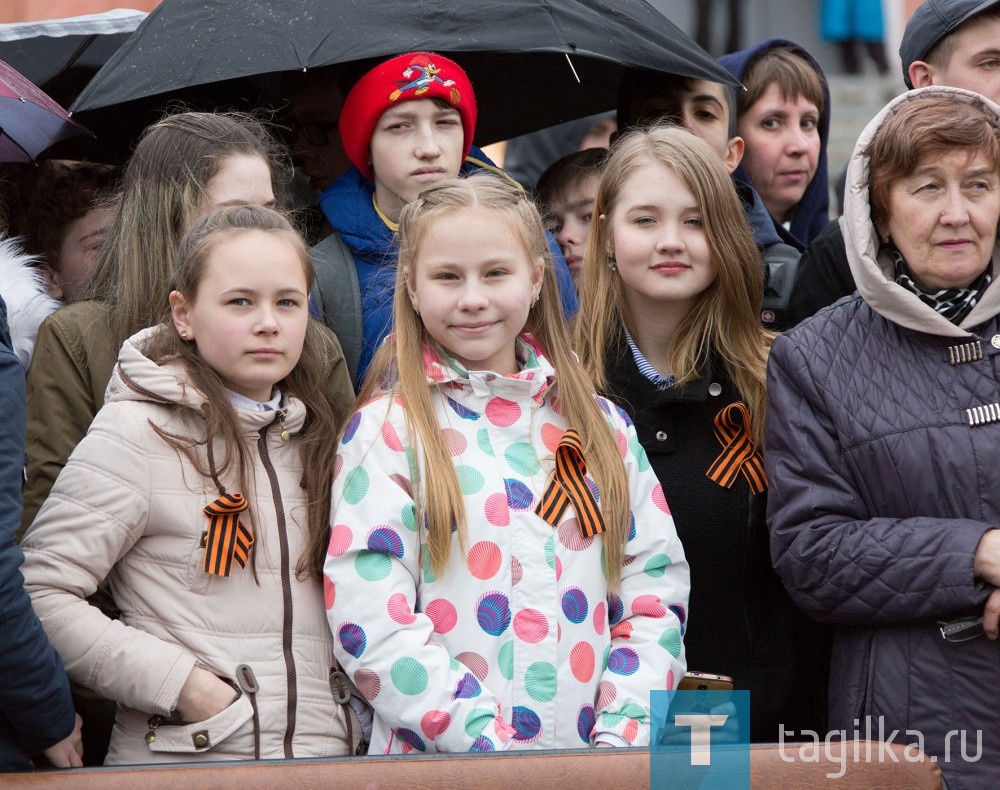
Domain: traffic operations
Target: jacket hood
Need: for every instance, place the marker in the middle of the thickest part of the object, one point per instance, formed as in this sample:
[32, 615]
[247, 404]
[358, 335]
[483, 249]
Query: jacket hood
[137, 378]
[812, 213]
[761, 222]
[28, 302]
[873, 268]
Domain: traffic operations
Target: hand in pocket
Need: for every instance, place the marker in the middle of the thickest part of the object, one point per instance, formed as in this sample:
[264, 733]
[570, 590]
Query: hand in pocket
[203, 696]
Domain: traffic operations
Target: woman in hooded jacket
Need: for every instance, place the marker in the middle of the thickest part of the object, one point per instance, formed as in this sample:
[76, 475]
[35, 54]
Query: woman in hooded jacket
[882, 439]
[783, 117]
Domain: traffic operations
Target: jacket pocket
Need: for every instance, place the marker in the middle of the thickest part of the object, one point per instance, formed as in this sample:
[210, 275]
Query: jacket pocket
[205, 735]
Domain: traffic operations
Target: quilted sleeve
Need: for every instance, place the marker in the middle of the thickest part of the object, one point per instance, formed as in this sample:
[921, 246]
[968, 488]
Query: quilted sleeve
[647, 615]
[373, 570]
[842, 564]
[96, 512]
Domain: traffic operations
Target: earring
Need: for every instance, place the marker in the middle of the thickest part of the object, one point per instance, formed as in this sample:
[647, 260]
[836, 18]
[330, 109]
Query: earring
[884, 237]
[183, 333]
[612, 263]
[535, 300]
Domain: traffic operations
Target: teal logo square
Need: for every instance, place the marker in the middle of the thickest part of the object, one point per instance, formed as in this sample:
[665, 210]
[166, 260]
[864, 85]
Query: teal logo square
[700, 739]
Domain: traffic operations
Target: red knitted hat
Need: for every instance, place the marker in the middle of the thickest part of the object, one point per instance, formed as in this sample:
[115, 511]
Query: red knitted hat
[415, 75]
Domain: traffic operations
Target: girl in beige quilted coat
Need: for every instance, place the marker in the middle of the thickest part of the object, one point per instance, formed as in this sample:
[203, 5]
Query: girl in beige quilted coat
[192, 491]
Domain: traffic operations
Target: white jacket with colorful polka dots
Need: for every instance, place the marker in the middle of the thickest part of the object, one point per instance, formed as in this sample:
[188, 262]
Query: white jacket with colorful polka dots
[518, 643]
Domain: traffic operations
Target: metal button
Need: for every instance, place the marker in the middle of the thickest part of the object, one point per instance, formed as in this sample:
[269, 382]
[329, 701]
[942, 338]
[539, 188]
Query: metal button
[715, 389]
[200, 739]
[995, 341]
[661, 436]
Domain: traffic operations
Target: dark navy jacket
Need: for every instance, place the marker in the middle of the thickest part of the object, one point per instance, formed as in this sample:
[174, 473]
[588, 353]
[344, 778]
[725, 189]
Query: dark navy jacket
[36, 710]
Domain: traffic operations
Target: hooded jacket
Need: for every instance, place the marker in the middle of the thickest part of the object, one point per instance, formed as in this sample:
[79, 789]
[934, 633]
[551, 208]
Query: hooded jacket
[129, 506]
[883, 453]
[349, 206]
[36, 710]
[812, 212]
[518, 643]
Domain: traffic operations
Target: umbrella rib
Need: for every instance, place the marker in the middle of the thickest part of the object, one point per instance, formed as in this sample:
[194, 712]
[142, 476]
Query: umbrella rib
[79, 51]
[572, 68]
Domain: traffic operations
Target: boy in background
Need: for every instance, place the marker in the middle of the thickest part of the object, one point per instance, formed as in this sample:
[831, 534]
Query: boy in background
[565, 195]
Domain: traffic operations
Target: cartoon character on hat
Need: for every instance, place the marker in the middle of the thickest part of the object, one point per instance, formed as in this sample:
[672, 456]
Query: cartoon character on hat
[427, 73]
[407, 77]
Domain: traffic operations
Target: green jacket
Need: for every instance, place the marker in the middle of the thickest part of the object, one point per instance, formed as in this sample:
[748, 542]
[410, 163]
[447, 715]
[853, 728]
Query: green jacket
[70, 370]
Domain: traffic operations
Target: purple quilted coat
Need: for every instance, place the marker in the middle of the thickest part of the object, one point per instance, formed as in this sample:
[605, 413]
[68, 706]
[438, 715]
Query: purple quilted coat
[883, 453]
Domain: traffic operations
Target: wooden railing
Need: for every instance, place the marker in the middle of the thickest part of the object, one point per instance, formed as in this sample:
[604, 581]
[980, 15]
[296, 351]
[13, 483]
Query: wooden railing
[568, 770]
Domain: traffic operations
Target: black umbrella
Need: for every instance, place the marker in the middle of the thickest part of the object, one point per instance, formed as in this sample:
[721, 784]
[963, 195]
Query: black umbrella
[43, 50]
[533, 63]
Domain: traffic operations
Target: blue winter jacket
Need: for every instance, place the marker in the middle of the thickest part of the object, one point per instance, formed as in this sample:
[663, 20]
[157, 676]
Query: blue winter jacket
[349, 207]
[36, 710]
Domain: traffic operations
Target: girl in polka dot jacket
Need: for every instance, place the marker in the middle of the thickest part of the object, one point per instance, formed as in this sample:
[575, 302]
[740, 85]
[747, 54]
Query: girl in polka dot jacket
[503, 569]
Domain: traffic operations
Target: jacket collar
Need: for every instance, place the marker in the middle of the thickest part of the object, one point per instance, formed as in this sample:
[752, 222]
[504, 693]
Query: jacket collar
[535, 377]
[349, 206]
[624, 376]
[138, 378]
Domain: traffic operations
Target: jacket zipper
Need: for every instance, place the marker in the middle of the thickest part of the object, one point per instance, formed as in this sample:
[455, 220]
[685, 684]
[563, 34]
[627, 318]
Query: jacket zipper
[286, 590]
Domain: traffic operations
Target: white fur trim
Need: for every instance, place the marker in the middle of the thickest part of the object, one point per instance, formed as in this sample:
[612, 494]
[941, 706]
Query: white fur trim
[28, 301]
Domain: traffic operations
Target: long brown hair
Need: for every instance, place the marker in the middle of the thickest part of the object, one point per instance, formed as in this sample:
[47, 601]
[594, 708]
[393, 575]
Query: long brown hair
[398, 366]
[725, 318]
[308, 381]
[162, 192]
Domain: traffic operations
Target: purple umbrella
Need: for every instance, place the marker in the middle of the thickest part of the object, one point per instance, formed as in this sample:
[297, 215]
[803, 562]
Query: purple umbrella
[30, 121]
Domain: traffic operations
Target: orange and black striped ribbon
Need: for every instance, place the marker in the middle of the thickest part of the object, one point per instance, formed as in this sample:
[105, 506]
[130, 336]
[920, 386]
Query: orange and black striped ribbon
[569, 487]
[227, 539]
[739, 456]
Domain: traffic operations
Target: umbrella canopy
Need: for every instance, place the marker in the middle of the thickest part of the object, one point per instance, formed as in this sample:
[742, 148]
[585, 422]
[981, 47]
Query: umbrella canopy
[533, 62]
[43, 50]
[30, 121]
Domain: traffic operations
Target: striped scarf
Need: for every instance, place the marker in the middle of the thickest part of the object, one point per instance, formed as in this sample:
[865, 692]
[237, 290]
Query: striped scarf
[953, 303]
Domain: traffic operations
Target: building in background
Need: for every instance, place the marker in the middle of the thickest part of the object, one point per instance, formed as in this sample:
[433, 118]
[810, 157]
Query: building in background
[35, 10]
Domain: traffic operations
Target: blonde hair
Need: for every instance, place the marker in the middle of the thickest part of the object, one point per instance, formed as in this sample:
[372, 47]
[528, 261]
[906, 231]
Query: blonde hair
[398, 366]
[308, 381]
[724, 319]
